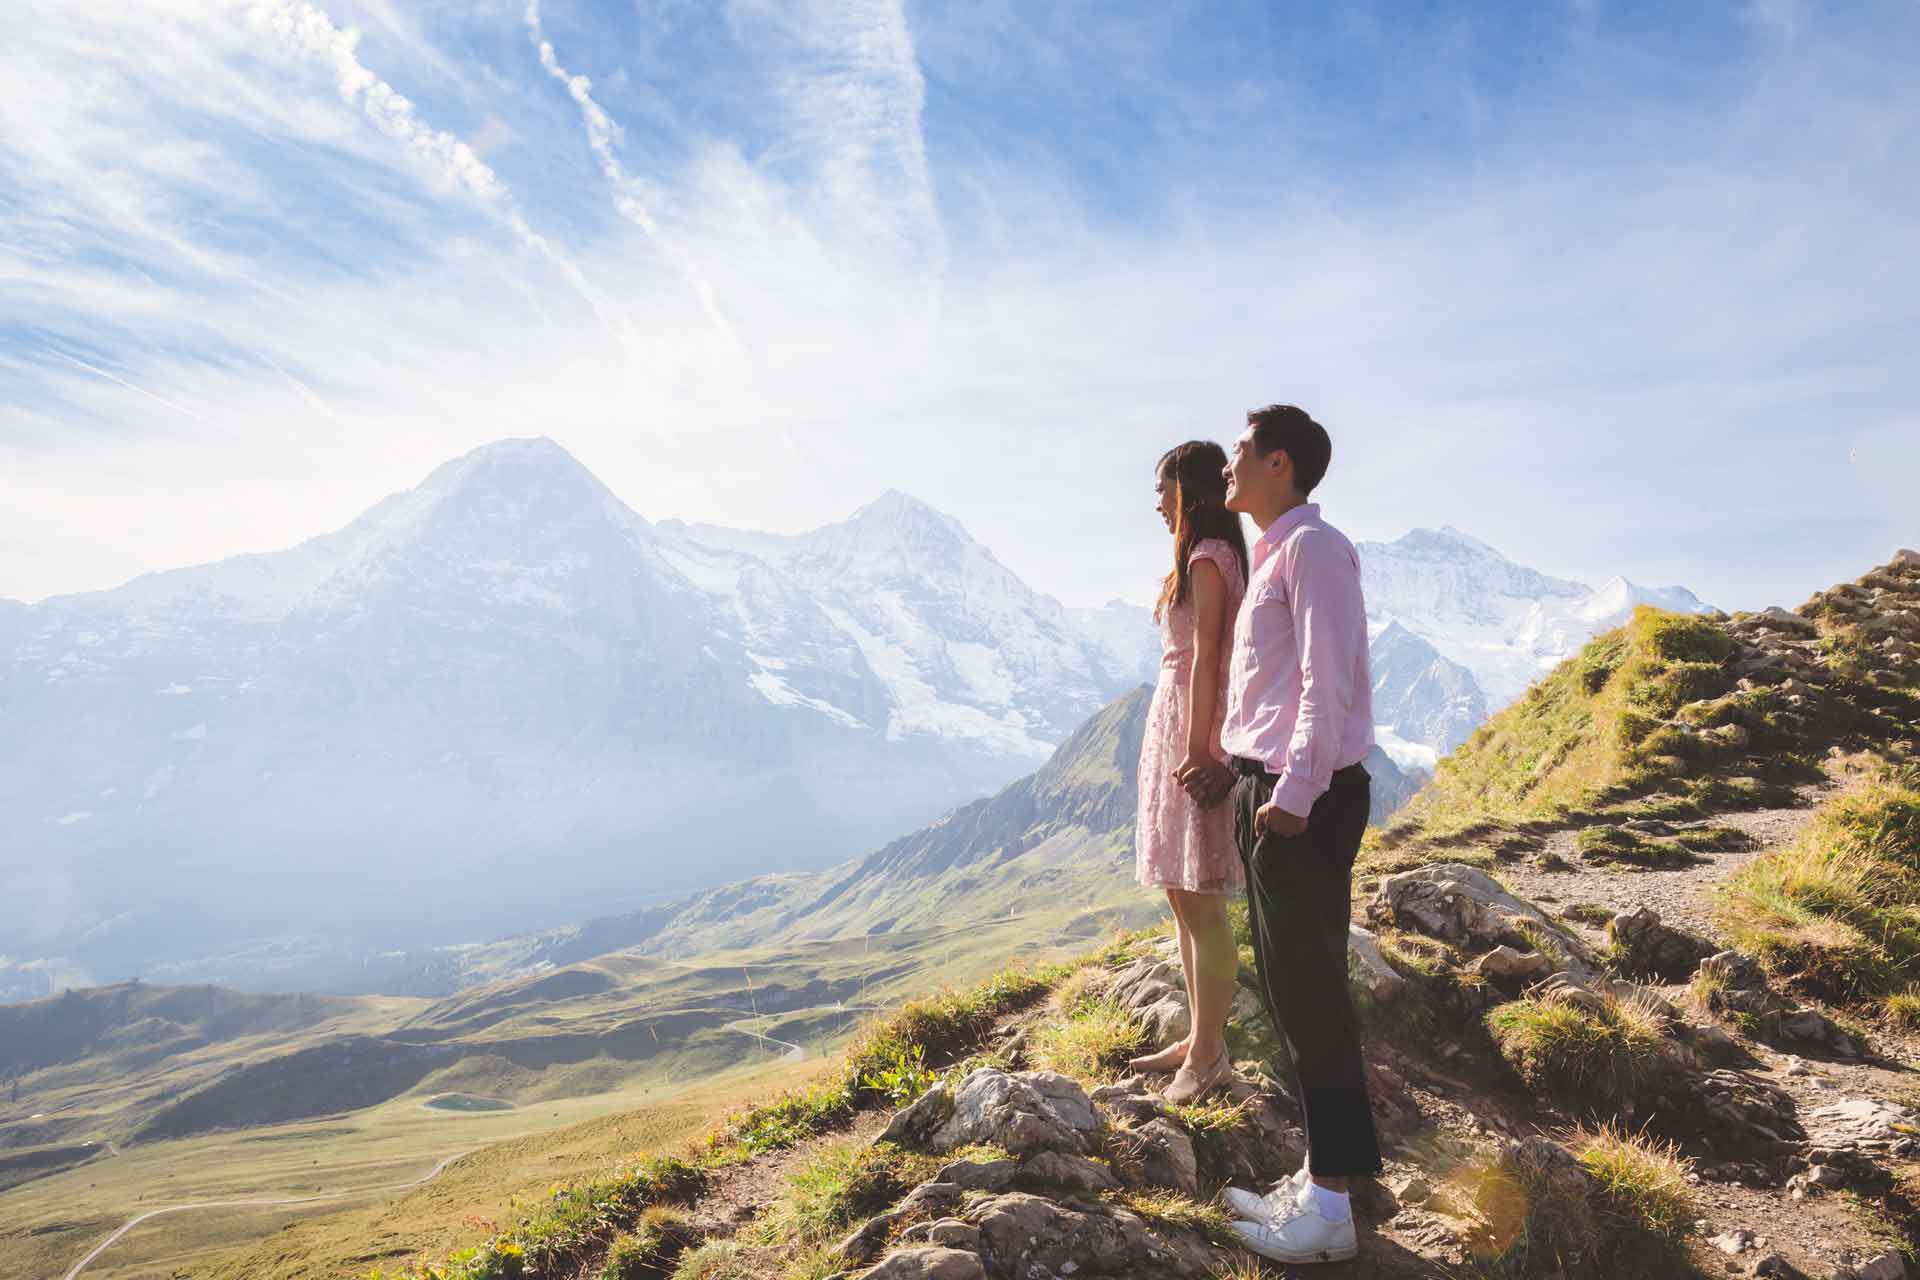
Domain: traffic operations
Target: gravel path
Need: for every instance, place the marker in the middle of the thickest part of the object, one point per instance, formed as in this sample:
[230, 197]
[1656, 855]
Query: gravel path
[1682, 895]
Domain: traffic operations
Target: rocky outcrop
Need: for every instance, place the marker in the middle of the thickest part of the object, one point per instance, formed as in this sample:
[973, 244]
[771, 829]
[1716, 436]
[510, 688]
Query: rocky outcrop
[1466, 906]
[1155, 992]
[1022, 1112]
[1642, 945]
[1023, 1236]
[1864, 1124]
[1735, 983]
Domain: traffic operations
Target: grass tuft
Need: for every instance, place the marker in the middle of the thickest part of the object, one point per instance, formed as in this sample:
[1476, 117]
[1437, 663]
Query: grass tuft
[1642, 1180]
[841, 1184]
[1088, 1044]
[1594, 1060]
[1838, 910]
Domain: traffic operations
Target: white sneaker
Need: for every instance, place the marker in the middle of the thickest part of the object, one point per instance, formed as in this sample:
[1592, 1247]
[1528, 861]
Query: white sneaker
[1300, 1234]
[1264, 1208]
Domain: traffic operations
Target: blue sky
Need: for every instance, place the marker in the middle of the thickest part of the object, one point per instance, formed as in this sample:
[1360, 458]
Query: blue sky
[1617, 287]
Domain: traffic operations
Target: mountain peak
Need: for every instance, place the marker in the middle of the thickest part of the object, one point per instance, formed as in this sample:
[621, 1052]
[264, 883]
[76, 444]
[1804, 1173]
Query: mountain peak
[900, 517]
[896, 506]
[1445, 539]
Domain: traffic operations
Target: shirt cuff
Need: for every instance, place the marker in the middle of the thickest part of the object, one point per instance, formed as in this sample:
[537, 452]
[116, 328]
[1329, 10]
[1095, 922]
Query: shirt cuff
[1296, 795]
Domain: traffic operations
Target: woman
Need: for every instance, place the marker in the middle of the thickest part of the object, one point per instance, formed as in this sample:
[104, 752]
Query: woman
[1180, 846]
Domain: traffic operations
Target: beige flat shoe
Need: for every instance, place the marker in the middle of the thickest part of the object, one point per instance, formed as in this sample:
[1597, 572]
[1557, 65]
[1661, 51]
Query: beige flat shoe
[1190, 1085]
[1171, 1058]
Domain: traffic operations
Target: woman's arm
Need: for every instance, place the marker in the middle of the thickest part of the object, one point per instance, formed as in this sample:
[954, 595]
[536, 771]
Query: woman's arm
[1203, 690]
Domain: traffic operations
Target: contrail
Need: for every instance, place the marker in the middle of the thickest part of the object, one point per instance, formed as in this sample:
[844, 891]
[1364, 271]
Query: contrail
[313, 33]
[99, 372]
[602, 134]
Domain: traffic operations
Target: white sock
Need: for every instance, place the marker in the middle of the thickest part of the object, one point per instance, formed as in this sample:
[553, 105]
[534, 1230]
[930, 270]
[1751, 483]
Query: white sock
[1334, 1206]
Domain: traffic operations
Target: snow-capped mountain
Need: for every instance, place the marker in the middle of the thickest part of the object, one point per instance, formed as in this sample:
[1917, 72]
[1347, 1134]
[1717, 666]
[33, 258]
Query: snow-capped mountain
[501, 697]
[1505, 623]
[953, 645]
[1427, 702]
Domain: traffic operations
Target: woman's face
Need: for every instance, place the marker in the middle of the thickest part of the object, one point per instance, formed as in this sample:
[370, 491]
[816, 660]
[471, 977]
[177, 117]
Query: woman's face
[1163, 500]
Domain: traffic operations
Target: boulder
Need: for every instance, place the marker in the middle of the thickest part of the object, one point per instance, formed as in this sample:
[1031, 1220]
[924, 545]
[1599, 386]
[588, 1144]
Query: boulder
[1022, 1236]
[929, 1263]
[1166, 1020]
[1643, 945]
[1023, 1112]
[1563, 988]
[913, 1124]
[1465, 905]
[1130, 1099]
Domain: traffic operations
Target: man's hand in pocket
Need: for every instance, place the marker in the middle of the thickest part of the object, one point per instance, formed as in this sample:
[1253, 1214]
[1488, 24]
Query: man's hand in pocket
[1273, 820]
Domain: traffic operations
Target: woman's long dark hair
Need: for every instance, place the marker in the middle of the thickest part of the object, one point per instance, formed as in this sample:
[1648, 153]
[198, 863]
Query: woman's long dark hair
[1195, 473]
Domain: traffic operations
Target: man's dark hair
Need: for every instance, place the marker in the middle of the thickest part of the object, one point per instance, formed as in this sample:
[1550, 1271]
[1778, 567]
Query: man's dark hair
[1284, 426]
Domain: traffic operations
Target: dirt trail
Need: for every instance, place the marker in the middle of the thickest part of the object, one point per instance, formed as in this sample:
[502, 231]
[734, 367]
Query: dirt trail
[131, 1223]
[1682, 895]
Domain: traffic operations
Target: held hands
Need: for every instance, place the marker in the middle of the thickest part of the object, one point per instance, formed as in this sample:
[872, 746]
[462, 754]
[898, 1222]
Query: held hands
[1271, 819]
[1204, 778]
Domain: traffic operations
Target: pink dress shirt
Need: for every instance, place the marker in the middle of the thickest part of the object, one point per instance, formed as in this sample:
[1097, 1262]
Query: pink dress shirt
[1299, 698]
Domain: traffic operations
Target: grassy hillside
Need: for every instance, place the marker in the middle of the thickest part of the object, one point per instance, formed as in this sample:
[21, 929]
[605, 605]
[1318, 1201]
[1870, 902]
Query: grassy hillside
[1668, 716]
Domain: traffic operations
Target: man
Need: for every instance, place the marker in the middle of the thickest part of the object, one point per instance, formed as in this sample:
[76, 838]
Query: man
[1299, 720]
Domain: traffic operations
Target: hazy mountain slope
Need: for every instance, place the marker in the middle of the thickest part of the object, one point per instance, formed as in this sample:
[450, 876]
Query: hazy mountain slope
[265, 769]
[1062, 836]
[1422, 696]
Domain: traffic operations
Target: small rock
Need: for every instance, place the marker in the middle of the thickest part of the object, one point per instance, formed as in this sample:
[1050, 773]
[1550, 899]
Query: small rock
[1411, 1189]
[951, 1233]
[1887, 1266]
[1647, 946]
[1364, 961]
[1734, 1240]
[979, 1175]
[929, 1263]
[1167, 1157]
[1775, 1265]
[1503, 962]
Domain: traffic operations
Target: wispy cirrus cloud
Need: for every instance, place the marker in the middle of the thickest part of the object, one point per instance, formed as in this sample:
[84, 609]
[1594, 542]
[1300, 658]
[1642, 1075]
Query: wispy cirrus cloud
[629, 194]
[311, 31]
[255, 273]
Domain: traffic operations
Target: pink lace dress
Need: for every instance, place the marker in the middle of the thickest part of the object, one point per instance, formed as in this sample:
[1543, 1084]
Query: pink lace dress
[1176, 843]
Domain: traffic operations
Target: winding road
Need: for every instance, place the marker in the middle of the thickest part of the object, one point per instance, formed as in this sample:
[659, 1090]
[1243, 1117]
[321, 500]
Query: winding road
[108, 1243]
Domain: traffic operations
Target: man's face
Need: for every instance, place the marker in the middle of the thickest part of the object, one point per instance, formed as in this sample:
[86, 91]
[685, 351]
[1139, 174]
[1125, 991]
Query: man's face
[1243, 467]
[1252, 474]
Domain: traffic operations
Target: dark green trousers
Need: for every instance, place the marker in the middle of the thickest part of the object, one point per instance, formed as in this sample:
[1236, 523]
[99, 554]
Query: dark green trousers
[1299, 902]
